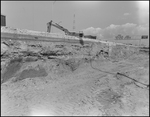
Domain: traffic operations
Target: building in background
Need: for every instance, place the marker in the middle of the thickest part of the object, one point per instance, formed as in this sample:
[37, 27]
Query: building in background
[3, 20]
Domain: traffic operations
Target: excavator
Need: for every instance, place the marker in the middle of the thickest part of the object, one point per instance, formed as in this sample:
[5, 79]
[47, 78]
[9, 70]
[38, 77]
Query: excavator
[80, 34]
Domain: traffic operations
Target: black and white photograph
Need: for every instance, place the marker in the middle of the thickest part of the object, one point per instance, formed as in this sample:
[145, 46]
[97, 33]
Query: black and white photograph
[75, 58]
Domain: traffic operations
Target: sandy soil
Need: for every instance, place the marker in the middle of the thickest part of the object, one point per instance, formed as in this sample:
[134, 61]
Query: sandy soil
[65, 79]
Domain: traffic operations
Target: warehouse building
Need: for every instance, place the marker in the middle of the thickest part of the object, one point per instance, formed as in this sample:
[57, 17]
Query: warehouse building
[3, 20]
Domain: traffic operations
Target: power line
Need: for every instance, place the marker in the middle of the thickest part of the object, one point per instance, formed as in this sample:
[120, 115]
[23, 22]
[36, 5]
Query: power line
[52, 12]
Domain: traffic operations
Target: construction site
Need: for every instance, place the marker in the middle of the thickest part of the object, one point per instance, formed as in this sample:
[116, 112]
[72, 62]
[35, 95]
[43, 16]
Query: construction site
[71, 74]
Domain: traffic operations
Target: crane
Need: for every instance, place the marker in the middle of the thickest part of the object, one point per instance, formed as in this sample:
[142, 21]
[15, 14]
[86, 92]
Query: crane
[80, 34]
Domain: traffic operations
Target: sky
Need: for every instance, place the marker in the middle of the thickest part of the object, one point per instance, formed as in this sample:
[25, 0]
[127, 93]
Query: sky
[105, 19]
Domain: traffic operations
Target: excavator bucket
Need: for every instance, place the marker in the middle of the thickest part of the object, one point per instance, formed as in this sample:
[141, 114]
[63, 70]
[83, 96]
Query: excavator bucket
[49, 26]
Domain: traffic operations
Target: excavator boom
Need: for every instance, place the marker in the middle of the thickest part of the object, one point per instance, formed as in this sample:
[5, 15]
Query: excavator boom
[49, 24]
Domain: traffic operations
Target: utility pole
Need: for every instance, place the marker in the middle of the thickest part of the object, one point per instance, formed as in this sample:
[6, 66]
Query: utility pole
[74, 22]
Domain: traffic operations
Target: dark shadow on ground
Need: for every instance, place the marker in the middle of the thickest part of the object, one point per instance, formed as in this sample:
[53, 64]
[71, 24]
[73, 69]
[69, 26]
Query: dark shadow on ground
[31, 73]
[13, 66]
